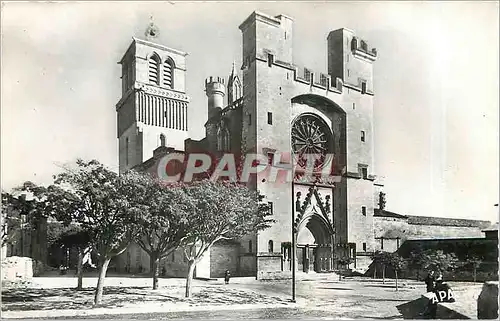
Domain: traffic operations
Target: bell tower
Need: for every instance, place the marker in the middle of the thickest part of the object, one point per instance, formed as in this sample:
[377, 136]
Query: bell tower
[153, 109]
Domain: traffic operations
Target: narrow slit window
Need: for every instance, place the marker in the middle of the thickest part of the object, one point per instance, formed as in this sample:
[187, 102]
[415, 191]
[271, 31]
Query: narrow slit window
[270, 158]
[249, 119]
[271, 210]
[270, 118]
[270, 60]
[363, 136]
[363, 210]
[126, 151]
[270, 246]
[162, 140]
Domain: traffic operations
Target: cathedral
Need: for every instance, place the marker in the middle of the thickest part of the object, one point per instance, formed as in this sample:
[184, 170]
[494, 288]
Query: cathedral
[267, 105]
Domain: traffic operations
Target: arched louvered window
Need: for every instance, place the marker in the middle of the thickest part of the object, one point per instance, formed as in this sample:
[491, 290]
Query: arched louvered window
[162, 140]
[154, 69]
[270, 246]
[168, 73]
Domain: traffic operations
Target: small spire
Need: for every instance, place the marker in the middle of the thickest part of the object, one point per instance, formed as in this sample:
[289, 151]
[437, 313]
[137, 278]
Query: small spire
[233, 71]
[152, 31]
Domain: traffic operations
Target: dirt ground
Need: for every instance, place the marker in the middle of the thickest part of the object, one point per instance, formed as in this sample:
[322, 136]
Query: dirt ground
[348, 298]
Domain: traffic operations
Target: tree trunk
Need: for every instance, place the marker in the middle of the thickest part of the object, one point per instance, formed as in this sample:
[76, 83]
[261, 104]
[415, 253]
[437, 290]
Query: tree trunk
[383, 273]
[79, 269]
[155, 271]
[396, 272]
[375, 271]
[474, 275]
[189, 280]
[100, 283]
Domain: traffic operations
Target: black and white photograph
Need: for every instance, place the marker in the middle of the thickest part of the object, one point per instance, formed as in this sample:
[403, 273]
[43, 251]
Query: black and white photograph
[249, 160]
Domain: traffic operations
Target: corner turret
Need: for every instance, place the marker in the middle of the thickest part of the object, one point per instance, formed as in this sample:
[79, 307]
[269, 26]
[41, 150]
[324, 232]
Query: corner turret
[215, 89]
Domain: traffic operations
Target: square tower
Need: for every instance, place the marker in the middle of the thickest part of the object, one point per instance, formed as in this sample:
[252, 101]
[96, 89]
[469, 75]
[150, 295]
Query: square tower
[350, 59]
[153, 109]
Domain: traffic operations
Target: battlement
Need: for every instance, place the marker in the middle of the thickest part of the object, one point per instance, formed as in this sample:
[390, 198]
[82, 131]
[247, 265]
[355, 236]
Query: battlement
[276, 21]
[360, 48]
[211, 79]
[320, 80]
[215, 85]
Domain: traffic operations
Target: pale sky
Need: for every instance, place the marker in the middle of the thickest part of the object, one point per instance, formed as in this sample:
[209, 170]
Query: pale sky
[436, 86]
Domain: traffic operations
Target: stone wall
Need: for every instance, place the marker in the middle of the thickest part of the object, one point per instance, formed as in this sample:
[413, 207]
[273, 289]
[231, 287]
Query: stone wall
[269, 266]
[224, 257]
[487, 302]
[16, 268]
[248, 265]
[419, 227]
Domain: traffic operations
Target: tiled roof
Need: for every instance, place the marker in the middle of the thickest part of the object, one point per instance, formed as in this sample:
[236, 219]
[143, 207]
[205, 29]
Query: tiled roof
[384, 213]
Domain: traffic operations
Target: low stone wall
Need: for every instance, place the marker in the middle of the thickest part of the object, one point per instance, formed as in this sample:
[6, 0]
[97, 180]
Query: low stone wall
[448, 310]
[277, 275]
[248, 265]
[16, 268]
[487, 302]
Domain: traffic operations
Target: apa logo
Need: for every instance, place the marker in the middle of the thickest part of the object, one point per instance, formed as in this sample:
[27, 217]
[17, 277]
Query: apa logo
[442, 296]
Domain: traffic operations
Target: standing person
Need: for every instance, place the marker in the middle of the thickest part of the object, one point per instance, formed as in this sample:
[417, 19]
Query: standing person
[442, 293]
[227, 275]
[429, 281]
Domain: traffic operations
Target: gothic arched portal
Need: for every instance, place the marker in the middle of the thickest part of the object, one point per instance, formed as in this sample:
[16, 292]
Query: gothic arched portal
[314, 244]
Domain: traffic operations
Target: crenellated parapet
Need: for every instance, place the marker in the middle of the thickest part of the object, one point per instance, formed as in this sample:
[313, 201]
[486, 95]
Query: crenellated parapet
[318, 80]
[361, 49]
[215, 85]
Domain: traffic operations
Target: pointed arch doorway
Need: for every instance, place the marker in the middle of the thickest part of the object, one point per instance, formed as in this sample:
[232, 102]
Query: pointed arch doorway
[314, 244]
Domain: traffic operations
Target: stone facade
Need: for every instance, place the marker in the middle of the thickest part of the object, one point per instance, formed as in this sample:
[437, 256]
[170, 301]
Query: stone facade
[391, 229]
[264, 110]
[15, 268]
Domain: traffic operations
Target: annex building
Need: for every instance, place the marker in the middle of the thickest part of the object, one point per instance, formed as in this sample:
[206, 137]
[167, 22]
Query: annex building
[269, 105]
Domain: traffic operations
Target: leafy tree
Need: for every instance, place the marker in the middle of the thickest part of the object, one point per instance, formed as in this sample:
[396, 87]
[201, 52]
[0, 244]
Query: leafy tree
[220, 210]
[77, 238]
[415, 262]
[439, 261]
[23, 208]
[104, 204]
[473, 261]
[344, 262]
[162, 227]
[381, 258]
[397, 263]
[11, 219]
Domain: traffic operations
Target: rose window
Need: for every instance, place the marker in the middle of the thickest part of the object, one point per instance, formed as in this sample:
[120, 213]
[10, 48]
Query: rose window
[311, 136]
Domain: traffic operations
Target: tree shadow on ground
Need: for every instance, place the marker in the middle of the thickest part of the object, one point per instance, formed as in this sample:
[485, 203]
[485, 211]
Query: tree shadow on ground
[341, 289]
[69, 298]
